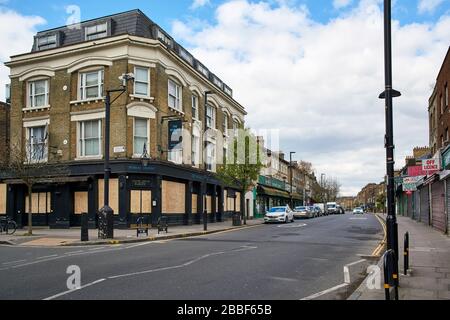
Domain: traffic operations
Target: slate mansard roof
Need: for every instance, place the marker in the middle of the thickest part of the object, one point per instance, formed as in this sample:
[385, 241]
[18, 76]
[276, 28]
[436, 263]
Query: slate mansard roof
[134, 23]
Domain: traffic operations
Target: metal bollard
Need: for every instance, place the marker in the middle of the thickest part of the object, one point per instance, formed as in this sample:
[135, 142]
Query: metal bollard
[406, 253]
[205, 220]
[390, 276]
[84, 227]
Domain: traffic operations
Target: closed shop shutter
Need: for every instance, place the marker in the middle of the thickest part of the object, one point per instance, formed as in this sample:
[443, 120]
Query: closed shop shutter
[409, 205]
[438, 206]
[448, 204]
[424, 205]
[416, 215]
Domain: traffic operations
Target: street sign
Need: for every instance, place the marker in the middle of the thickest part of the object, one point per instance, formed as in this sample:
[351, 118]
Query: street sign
[430, 164]
[410, 183]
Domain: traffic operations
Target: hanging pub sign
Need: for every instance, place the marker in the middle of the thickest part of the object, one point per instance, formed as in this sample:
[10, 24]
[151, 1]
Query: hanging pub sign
[175, 135]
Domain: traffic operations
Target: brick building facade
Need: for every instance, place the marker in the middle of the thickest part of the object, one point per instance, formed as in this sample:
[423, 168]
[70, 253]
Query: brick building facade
[4, 131]
[58, 99]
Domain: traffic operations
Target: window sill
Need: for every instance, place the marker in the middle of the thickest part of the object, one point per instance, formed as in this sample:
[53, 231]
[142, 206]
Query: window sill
[87, 101]
[35, 109]
[89, 158]
[176, 111]
[142, 98]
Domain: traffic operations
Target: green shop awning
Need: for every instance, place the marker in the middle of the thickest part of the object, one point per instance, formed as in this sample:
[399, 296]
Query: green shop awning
[273, 192]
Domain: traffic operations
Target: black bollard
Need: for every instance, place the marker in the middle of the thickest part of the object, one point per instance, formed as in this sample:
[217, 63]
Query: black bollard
[406, 253]
[84, 227]
[205, 220]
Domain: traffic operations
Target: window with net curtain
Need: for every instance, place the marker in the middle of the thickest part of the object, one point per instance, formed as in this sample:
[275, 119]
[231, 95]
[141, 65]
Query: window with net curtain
[90, 138]
[140, 136]
[141, 81]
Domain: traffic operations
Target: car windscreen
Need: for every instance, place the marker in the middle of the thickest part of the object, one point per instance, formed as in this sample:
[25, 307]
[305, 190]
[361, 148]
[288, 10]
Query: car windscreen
[277, 210]
[331, 206]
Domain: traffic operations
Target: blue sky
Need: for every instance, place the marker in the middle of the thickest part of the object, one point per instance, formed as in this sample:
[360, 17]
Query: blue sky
[311, 69]
[164, 12]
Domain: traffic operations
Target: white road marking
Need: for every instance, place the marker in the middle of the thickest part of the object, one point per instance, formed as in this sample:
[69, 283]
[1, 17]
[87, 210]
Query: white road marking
[70, 291]
[13, 262]
[73, 252]
[96, 248]
[45, 257]
[298, 225]
[321, 293]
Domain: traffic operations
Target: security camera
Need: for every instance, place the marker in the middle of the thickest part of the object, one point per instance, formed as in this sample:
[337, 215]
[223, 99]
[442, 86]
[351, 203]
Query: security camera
[125, 78]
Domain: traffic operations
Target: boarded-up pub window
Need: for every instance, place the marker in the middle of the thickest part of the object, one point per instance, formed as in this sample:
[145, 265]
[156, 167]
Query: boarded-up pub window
[113, 194]
[140, 201]
[81, 202]
[41, 203]
[238, 202]
[225, 200]
[194, 203]
[208, 204]
[230, 204]
[173, 197]
[2, 198]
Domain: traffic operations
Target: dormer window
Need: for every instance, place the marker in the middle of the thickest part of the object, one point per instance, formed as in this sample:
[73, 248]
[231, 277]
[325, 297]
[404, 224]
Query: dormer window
[97, 31]
[228, 90]
[164, 38]
[186, 56]
[202, 70]
[46, 42]
[217, 82]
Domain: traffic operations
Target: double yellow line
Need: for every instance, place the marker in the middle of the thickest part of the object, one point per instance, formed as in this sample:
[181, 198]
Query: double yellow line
[378, 250]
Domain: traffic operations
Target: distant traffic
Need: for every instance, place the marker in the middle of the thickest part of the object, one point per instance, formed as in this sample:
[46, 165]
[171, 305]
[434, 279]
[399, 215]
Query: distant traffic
[284, 214]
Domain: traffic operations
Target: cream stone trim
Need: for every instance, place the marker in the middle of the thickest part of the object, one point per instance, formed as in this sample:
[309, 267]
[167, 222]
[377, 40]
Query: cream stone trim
[36, 72]
[141, 110]
[214, 102]
[196, 88]
[141, 63]
[87, 115]
[177, 75]
[89, 62]
[36, 122]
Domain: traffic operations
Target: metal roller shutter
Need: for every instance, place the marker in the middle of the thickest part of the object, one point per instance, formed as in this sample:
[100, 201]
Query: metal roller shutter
[409, 205]
[424, 205]
[438, 220]
[416, 205]
[448, 204]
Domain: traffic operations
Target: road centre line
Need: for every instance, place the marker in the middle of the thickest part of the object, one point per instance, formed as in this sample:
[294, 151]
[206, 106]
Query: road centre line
[45, 257]
[73, 290]
[13, 262]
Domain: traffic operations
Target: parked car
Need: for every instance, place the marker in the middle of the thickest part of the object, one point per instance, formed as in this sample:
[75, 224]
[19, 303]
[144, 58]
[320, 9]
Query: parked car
[340, 210]
[320, 211]
[358, 210]
[279, 214]
[303, 212]
[332, 207]
[317, 211]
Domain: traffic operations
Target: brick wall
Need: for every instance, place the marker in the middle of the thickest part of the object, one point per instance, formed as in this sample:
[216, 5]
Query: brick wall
[4, 131]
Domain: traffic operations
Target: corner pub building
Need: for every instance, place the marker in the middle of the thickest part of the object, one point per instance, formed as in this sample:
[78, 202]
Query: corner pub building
[58, 103]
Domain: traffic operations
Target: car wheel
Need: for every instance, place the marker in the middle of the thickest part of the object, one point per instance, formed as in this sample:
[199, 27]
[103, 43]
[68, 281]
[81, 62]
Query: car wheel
[286, 220]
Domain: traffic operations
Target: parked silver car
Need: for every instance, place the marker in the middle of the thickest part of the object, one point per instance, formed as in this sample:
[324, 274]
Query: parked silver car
[303, 212]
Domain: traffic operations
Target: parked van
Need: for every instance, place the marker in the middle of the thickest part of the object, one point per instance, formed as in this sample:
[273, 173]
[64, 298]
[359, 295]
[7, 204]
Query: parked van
[332, 207]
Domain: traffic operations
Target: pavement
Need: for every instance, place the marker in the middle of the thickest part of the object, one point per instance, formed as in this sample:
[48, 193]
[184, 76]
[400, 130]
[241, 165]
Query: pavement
[44, 236]
[301, 260]
[428, 277]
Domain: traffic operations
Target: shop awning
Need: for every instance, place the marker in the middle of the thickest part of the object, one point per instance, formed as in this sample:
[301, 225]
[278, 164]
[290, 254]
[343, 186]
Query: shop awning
[273, 192]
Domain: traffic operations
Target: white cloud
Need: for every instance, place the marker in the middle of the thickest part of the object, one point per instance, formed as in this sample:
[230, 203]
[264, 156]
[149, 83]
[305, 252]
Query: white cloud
[338, 4]
[319, 82]
[16, 36]
[199, 3]
[428, 6]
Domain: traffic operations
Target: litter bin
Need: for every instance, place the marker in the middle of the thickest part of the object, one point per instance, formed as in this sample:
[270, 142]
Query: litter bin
[237, 220]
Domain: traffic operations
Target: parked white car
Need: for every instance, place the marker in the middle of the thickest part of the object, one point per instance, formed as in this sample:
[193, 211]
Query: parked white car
[279, 214]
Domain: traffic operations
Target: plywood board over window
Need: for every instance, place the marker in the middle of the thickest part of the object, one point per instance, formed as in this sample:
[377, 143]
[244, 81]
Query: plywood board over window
[173, 197]
[81, 202]
[113, 194]
[194, 203]
[41, 203]
[2, 198]
[208, 204]
[225, 200]
[140, 201]
[238, 202]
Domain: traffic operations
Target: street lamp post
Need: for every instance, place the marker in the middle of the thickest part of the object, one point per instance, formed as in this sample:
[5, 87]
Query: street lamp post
[290, 175]
[205, 209]
[387, 95]
[106, 212]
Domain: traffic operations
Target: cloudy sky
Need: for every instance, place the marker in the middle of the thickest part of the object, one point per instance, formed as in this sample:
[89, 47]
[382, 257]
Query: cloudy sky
[311, 68]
